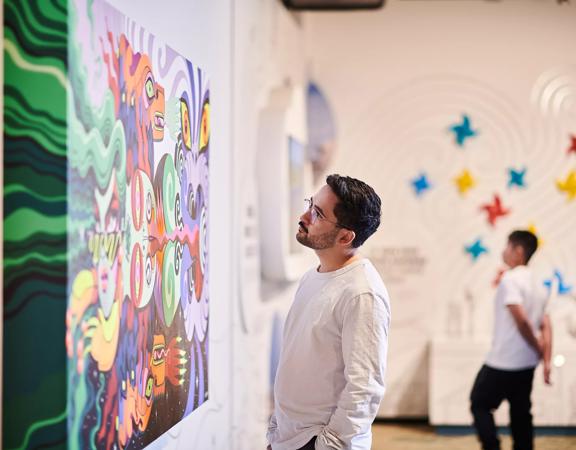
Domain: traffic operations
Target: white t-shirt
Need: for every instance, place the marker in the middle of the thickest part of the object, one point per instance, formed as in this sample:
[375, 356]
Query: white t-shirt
[330, 377]
[510, 351]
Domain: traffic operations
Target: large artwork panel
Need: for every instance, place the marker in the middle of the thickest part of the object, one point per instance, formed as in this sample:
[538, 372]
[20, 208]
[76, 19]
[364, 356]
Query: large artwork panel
[139, 145]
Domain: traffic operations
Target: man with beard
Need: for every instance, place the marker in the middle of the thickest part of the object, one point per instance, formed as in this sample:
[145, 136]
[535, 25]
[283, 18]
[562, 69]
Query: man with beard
[330, 377]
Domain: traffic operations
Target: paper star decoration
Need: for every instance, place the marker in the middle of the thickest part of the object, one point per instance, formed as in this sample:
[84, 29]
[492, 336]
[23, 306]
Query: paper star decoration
[572, 148]
[516, 177]
[563, 288]
[465, 181]
[476, 249]
[532, 229]
[495, 210]
[463, 131]
[568, 185]
[421, 184]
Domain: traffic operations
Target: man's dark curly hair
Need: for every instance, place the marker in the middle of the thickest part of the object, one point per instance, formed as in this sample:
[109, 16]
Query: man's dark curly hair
[358, 208]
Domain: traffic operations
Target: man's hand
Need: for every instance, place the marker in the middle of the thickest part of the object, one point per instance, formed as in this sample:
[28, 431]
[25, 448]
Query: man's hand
[546, 342]
[525, 328]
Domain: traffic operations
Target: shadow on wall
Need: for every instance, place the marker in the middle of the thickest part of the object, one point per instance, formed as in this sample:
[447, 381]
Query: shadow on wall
[408, 392]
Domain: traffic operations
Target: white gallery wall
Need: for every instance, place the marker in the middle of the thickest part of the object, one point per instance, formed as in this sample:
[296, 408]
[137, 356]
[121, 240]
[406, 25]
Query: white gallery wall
[269, 55]
[400, 81]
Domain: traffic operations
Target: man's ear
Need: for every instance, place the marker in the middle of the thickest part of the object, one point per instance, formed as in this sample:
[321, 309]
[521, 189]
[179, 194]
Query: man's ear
[521, 253]
[346, 237]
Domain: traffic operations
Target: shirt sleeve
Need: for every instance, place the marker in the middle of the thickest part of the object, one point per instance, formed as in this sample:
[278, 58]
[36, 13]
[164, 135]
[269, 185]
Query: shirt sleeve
[366, 321]
[272, 425]
[511, 291]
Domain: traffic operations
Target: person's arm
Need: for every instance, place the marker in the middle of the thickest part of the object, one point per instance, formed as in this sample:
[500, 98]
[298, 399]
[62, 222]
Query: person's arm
[546, 343]
[524, 327]
[366, 319]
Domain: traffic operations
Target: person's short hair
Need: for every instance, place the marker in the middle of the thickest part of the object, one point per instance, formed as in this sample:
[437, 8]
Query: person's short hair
[525, 239]
[358, 207]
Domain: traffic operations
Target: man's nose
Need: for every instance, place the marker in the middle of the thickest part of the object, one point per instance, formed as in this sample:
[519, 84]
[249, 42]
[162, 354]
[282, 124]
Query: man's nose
[306, 217]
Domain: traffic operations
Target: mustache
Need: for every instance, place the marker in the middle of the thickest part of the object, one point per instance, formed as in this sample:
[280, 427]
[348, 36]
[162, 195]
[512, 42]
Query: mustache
[303, 226]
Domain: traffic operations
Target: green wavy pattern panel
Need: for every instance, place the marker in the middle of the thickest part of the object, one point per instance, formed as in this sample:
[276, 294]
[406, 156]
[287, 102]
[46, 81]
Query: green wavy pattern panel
[34, 260]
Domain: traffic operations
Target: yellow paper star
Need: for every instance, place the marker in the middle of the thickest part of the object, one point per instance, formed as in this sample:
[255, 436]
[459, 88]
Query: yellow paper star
[532, 229]
[465, 181]
[568, 185]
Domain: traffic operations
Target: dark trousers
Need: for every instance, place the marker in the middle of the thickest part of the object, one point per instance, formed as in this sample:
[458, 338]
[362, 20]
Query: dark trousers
[309, 445]
[490, 388]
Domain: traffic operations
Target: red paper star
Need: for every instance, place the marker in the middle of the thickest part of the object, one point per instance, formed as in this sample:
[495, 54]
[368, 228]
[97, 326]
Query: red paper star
[494, 210]
[572, 148]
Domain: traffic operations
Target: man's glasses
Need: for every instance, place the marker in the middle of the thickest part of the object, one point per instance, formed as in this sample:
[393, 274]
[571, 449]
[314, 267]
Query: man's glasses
[315, 213]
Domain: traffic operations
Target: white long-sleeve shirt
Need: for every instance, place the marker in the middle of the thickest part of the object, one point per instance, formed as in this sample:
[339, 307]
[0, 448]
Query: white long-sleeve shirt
[330, 378]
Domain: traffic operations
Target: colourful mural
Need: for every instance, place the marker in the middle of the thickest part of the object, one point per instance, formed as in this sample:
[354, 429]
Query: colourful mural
[137, 318]
[34, 257]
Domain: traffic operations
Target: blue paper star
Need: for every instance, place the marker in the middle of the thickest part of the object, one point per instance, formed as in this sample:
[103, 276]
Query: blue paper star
[463, 131]
[476, 249]
[516, 177]
[420, 184]
[563, 288]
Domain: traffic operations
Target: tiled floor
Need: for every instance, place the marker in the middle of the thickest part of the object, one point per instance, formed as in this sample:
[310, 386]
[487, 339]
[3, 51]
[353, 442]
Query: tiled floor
[422, 437]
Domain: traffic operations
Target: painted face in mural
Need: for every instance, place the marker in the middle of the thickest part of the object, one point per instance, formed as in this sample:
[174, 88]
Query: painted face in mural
[195, 219]
[139, 101]
[192, 279]
[136, 403]
[168, 182]
[168, 362]
[105, 246]
[154, 103]
[158, 363]
[170, 256]
[141, 240]
[142, 91]
[171, 274]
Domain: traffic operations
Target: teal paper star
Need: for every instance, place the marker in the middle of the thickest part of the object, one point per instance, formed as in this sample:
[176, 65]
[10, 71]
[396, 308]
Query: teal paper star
[476, 249]
[463, 131]
[516, 178]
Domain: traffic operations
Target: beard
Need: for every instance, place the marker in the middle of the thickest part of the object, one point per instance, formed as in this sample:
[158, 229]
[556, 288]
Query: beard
[320, 242]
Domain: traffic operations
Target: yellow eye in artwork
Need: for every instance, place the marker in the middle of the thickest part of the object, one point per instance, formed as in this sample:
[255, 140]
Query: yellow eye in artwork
[205, 126]
[185, 119]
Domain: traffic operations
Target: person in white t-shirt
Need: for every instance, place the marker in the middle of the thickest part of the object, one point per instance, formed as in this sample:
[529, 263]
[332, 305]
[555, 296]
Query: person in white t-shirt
[330, 377]
[522, 337]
